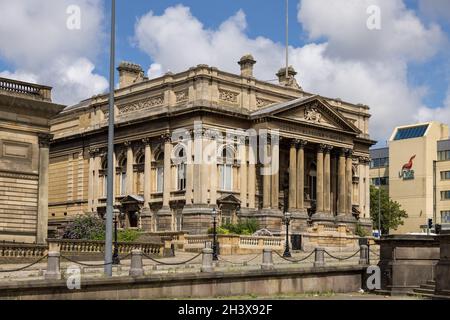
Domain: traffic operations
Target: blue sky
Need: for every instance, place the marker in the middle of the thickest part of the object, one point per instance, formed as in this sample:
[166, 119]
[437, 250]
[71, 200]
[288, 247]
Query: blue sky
[403, 67]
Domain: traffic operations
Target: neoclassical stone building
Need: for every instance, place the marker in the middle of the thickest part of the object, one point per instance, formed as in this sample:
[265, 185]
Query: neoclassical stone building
[191, 141]
[25, 113]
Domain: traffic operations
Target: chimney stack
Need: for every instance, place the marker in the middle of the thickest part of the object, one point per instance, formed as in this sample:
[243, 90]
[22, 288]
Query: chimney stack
[290, 81]
[247, 62]
[129, 74]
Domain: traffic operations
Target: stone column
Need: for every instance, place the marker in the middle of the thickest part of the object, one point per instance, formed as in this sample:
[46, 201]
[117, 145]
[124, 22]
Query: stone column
[91, 180]
[42, 214]
[293, 176]
[251, 177]
[341, 183]
[275, 163]
[213, 172]
[189, 172]
[198, 159]
[301, 175]
[327, 180]
[147, 171]
[349, 182]
[266, 178]
[96, 186]
[130, 173]
[167, 169]
[243, 173]
[320, 188]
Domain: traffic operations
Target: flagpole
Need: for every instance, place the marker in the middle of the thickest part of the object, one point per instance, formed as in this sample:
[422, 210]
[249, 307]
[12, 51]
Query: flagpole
[110, 180]
[287, 39]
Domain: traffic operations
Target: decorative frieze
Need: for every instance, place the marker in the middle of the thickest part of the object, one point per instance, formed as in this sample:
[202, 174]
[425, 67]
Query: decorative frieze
[228, 96]
[260, 102]
[312, 114]
[142, 105]
[181, 96]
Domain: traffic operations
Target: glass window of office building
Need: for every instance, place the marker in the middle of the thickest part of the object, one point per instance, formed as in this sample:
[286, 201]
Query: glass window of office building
[445, 216]
[444, 155]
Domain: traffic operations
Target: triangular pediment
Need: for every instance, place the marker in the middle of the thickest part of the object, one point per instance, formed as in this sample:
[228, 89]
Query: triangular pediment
[313, 111]
[229, 198]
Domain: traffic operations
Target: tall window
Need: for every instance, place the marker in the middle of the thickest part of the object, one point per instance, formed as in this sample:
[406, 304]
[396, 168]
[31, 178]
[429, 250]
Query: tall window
[226, 170]
[312, 183]
[122, 172]
[160, 172]
[104, 177]
[181, 169]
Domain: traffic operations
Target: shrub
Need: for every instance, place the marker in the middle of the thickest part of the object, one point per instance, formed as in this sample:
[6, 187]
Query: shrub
[128, 235]
[85, 227]
[359, 231]
[243, 227]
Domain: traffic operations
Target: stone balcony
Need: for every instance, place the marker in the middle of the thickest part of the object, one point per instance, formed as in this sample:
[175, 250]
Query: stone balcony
[25, 90]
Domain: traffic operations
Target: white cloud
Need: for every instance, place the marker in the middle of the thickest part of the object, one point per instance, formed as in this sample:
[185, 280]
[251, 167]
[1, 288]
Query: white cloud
[350, 62]
[41, 48]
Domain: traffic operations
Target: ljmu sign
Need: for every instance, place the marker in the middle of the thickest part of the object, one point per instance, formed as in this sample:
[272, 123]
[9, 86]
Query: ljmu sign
[407, 173]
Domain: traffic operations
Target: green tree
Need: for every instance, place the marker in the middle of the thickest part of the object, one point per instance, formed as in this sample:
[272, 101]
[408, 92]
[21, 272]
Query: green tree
[392, 214]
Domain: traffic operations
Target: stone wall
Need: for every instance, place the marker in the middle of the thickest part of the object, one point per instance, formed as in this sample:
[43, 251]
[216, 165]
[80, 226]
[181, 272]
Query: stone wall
[341, 279]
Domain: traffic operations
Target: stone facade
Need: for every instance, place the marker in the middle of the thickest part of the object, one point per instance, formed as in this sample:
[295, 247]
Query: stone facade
[184, 143]
[25, 111]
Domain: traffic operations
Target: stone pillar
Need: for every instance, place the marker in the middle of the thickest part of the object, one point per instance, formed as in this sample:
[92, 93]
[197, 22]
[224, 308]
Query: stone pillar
[364, 255]
[319, 260]
[198, 160]
[327, 181]
[147, 172]
[341, 183]
[42, 214]
[213, 172]
[130, 173]
[251, 177]
[91, 180]
[136, 268]
[319, 191]
[96, 185]
[207, 259]
[53, 271]
[266, 178]
[349, 183]
[167, 169]
[293, 177]
[275, 164]
[267, 260]
[189, 172]
[243, 171]
[301, 175]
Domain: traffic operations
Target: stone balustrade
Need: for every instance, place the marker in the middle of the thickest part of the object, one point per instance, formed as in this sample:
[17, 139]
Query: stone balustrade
[16, 250]
[26, 89]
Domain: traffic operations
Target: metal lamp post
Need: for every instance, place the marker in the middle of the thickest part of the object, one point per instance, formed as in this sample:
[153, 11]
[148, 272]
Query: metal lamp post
[115, 257]
[287, 221]
[214, 246]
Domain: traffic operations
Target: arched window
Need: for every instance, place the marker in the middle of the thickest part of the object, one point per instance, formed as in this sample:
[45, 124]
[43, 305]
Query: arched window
[122, 173]
[226, 162]
[160, 172]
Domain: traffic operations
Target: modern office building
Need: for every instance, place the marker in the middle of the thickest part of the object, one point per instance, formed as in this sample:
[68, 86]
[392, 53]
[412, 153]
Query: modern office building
[415, 168]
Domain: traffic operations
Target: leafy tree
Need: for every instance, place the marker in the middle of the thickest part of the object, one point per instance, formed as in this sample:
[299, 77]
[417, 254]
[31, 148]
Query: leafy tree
[392, 214]
[86, 227]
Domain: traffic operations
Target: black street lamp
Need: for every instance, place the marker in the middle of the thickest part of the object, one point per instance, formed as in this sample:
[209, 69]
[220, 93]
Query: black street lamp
[287, 221]
[115, 258]
[214, 246]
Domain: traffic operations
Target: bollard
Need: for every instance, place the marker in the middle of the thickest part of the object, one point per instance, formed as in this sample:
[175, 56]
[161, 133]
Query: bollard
[364, 255]
[207, 259]
[136, 269]
[319, 260]
[267, 260]
[53, 271]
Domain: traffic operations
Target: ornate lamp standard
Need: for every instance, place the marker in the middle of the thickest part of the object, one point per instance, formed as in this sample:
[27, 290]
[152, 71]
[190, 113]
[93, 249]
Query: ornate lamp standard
[214, 246]
[287, 221]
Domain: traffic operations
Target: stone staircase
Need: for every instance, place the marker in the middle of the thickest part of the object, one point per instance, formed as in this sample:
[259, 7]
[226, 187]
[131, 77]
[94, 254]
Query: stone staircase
[425, 290]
